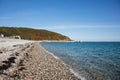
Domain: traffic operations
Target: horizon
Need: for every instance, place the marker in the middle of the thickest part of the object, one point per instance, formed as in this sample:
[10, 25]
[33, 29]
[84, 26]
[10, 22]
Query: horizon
[85, 20]
[59, 33]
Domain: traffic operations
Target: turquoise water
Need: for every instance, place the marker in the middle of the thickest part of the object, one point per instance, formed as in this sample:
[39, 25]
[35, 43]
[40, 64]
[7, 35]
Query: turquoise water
[91, 60]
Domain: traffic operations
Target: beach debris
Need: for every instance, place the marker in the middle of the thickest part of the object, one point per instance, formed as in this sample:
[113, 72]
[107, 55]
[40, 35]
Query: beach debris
[8, 63]
[12, 59]
[1, 52]
[27, 54]
[22, 68]
[16, 54]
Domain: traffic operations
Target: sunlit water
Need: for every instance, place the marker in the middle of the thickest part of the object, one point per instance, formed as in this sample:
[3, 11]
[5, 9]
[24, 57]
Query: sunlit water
[92, 60]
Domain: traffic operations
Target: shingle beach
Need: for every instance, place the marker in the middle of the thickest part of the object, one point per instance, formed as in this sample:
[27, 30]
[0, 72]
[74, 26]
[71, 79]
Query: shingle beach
[32, 62]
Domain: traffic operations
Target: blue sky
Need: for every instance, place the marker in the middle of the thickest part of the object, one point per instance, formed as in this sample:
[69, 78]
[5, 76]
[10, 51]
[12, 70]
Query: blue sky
[87, 20]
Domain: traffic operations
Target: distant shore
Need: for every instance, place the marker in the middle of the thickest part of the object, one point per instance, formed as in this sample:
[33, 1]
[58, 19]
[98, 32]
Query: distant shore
[27, 60]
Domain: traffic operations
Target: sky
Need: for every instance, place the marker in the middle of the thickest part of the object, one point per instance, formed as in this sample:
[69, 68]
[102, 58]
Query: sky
[86, 20]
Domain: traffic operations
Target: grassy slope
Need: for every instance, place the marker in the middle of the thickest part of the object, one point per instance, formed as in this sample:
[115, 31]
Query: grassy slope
[32, 34]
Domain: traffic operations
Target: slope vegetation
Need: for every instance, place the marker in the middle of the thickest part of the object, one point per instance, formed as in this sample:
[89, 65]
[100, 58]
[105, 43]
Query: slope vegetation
[32, 34]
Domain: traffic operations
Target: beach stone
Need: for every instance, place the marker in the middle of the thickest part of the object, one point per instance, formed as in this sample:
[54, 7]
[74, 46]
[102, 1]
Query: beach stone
[35, 63]
[15, 45]
[1, 51]
[16, 53]
[12, 79]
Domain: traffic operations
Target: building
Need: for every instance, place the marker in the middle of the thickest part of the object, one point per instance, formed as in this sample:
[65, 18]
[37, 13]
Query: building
[2, 35]
[16, 37]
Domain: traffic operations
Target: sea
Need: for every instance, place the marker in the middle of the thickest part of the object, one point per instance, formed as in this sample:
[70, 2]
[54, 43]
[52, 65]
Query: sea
[89, 60]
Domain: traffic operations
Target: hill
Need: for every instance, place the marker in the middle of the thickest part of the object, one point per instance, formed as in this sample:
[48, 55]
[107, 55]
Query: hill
[32, 34]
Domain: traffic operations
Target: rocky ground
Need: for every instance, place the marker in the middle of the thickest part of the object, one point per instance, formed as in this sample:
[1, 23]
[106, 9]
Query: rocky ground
[32, 62]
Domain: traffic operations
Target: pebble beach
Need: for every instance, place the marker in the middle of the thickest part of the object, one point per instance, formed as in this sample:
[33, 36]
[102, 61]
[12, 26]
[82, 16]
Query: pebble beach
[30, 61]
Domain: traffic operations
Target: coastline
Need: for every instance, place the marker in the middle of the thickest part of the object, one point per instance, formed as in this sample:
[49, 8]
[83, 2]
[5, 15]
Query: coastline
[71, 70]
[31, 61]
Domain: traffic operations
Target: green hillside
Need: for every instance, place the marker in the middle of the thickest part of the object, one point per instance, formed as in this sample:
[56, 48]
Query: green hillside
[32, 34]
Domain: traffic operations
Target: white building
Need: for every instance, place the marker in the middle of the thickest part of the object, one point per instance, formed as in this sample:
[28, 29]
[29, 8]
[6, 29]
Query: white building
[16, 37]
[2, 35]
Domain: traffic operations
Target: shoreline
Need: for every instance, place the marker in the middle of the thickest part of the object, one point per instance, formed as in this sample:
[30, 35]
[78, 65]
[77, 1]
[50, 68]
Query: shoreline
[71, 70]
[32, 61]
